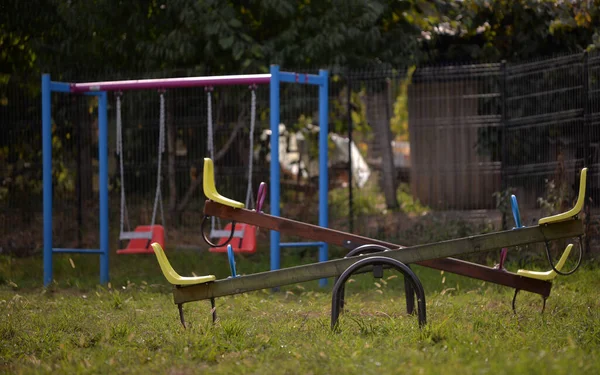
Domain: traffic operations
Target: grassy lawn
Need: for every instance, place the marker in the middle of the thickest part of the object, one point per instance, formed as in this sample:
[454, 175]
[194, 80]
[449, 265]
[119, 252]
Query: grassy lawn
[132, 325]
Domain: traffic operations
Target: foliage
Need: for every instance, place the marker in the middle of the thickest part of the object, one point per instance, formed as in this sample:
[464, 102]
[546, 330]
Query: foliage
[503, 204]
[21, 154]
[433, 228]
[338, 114]
[369, 201]
[509, 29]
[211, 36]
[105, 39]
[399, 122]
[365, 201]
[408, 203]
[558, 196]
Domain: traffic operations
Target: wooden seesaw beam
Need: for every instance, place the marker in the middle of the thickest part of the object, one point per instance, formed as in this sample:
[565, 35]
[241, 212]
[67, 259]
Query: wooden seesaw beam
[429, 255]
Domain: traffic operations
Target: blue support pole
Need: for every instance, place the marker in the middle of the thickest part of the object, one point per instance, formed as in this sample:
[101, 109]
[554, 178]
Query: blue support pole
[63, 250]
[60, 87]
[323, 167]
[275, 188]
[103, 184]
[47, 175]
[300, 78]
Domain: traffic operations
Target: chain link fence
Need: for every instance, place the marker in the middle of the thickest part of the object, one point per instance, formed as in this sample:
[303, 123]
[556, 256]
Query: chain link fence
[465, 137]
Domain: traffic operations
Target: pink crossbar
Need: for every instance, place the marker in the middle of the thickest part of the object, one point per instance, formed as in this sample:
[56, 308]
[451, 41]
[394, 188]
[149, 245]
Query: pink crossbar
[166, 83]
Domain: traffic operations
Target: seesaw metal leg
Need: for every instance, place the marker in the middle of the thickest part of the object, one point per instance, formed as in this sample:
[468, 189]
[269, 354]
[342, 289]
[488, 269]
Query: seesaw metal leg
[181, 318]
[338, 289]
[213, 310]
[514, 302]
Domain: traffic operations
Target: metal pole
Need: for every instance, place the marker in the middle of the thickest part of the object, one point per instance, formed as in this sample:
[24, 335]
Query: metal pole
[350, 188]
[586, 111]
[323, 167]
[588, 133]
[504, 137]
[103, 184]
[166, 83]
[275, 188]
[47, 175]
[80, 125]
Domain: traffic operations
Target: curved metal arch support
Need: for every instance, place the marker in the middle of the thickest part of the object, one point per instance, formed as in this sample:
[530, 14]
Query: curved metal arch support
[366, 249]
[377, 260]
[375, 248]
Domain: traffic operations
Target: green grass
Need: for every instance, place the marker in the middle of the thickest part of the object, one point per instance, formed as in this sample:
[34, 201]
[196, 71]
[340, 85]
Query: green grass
[132, 326]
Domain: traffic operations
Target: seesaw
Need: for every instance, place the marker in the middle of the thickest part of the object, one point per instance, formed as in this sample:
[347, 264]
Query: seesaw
[555, 269]
[434, 255]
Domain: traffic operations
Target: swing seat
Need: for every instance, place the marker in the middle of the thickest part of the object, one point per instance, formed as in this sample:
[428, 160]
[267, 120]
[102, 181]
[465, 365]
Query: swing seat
[141, 244]
[243, 241]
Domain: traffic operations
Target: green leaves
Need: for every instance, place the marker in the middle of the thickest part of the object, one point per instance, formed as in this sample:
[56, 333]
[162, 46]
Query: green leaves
[226, 42]
[227, 36]
[509, 29]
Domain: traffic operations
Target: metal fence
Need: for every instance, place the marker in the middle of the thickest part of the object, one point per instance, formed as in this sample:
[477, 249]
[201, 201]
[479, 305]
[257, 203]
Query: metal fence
[524, 128]
[475, 131]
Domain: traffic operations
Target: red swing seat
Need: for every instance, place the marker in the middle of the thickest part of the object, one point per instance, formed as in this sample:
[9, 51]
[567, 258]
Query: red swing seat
[246, 243]
[142, 245]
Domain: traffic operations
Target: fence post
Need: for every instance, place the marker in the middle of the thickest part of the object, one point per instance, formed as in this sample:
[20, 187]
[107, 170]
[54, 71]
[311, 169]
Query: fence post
[586, 117]
[503, 139]
[587, 131]
[349, 114]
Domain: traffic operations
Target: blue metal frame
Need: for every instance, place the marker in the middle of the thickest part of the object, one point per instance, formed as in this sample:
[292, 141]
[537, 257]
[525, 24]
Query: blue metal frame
[277, 77]
[515, 211]
[47, 88]
[320, 80]
[231, 258]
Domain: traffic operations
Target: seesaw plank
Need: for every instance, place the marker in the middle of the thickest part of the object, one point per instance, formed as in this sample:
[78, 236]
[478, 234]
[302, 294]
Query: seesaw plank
[334, 237]
[416, 254]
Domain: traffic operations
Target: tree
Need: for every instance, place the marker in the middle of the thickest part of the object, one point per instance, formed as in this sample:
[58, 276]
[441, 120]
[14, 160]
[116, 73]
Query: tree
[478, 30]
[105, 39]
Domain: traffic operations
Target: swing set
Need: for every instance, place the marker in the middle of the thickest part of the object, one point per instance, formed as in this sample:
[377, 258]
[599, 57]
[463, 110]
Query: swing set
[143, 235]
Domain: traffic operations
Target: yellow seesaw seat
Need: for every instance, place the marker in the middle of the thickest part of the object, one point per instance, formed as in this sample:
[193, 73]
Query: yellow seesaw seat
[548, 275]
[208, 184]
[578, 205]
[171, 275]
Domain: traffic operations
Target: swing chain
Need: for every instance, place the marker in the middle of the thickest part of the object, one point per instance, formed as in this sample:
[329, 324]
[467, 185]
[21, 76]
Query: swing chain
[161, 150]
[124, 218]
[249, 192]
[210, 141]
